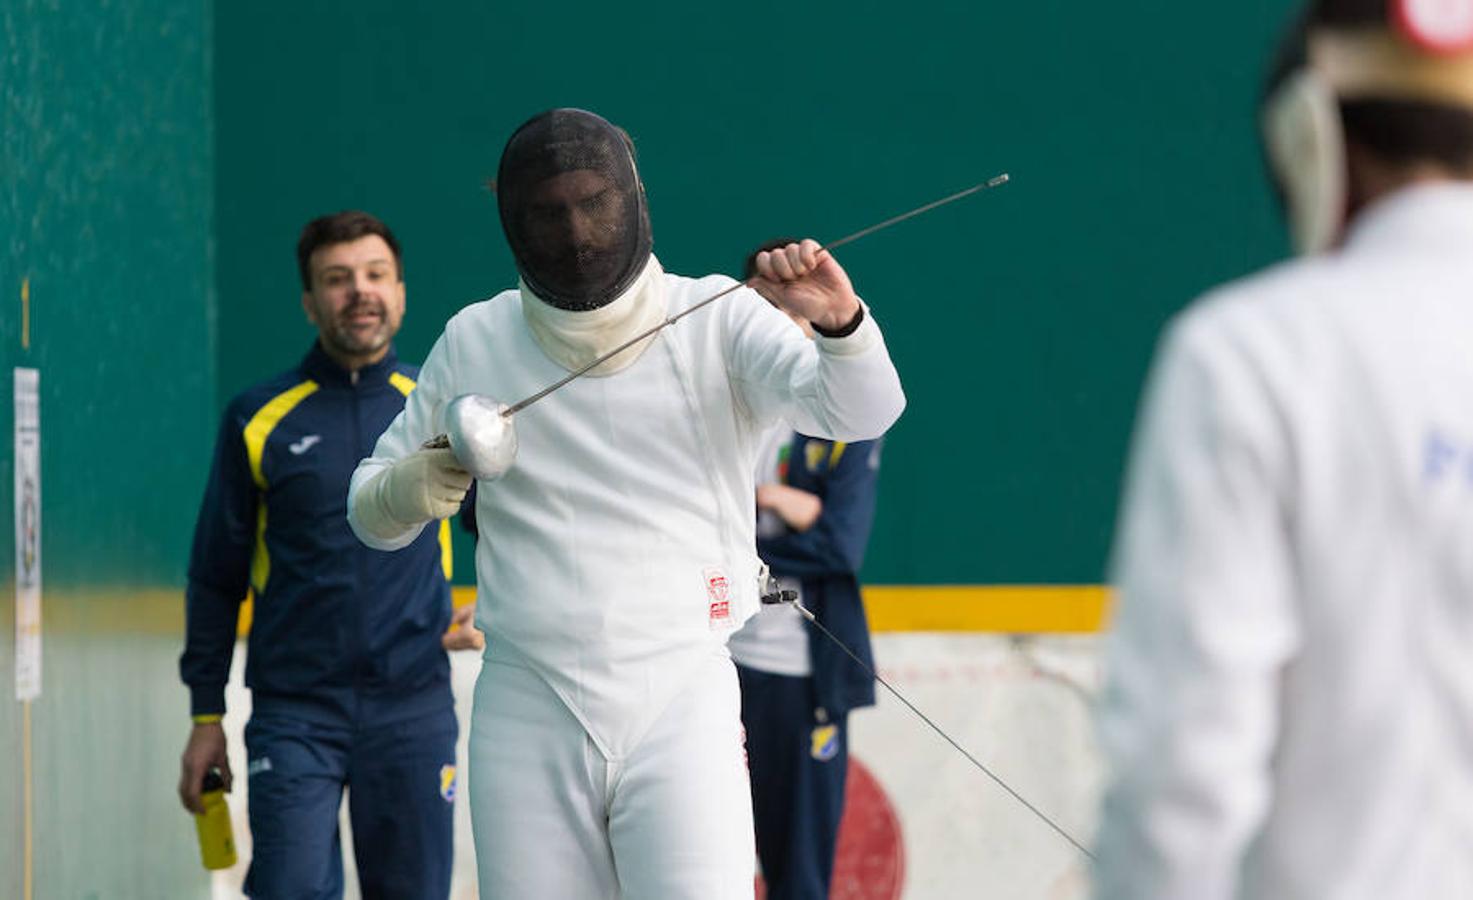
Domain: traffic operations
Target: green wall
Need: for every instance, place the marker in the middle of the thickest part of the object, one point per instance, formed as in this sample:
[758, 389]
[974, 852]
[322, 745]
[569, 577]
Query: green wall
[159, 157]
[1022, 321]
[106, 207]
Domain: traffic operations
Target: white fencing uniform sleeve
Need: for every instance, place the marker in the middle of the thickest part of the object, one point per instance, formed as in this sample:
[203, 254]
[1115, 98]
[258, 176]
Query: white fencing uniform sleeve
[844, 389]
[1203, 627]
[371, 504]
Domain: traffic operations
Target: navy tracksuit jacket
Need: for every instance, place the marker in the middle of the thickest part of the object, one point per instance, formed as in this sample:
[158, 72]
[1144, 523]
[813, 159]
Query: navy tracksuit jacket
[349, 681]
[797, 735]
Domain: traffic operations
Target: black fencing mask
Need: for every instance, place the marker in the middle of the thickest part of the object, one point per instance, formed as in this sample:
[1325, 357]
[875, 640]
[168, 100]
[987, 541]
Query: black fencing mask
[573, 209]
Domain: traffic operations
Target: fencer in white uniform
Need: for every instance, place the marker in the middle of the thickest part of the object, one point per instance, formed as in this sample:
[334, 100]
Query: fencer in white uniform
[1289, 703]
[616, 550]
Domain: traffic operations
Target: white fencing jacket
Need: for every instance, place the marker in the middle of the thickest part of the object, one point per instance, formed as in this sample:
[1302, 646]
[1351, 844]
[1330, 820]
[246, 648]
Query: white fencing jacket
[618, 551]
[1289, 704]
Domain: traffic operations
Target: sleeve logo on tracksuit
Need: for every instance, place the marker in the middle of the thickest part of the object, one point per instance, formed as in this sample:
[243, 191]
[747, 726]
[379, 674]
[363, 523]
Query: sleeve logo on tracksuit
[305, 444]
[447, 783]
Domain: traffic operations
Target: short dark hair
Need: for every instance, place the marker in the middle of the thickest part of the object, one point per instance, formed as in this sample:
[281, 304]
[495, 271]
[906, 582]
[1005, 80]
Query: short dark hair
[340, 228]
[1406, 132]
[1349, 13]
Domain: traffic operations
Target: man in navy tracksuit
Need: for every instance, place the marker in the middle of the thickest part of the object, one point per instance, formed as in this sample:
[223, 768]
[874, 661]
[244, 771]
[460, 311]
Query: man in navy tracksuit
[815, 513]
[346, 664]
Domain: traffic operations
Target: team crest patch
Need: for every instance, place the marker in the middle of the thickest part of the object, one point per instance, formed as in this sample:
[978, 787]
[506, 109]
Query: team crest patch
[718, 591]
[447, 783]
[824, 742]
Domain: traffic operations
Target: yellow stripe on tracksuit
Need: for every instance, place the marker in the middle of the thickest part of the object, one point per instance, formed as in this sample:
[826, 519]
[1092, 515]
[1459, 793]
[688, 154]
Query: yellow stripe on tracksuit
[447, 555]
[834, 454]
[257, 430]
[405, 384]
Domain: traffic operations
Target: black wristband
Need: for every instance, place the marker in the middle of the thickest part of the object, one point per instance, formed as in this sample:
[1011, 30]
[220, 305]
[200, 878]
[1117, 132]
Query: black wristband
[843, 330]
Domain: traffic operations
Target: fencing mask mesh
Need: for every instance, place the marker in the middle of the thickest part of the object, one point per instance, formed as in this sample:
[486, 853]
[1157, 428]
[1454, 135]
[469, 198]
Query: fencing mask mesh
[573, 208]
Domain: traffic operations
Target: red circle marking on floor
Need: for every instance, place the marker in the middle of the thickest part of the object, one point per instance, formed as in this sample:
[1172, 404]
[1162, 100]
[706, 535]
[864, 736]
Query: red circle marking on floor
[869, 863]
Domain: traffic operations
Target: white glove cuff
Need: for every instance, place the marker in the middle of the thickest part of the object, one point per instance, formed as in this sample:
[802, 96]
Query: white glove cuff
[368, 512]
[860, 340]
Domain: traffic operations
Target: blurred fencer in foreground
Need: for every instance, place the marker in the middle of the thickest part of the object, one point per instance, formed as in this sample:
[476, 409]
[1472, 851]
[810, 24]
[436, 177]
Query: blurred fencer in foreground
[1289, 702]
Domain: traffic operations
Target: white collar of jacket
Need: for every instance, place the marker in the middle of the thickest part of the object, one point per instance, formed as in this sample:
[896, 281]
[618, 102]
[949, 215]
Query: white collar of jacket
[574, 339]
[1432, 217]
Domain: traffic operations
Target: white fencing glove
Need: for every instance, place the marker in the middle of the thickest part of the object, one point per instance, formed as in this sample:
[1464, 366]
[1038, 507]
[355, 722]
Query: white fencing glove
[421, 487]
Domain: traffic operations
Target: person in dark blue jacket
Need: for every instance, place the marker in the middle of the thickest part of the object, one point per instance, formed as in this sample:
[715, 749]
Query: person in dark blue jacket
[815, 507]
[346, 661]
[797, 686]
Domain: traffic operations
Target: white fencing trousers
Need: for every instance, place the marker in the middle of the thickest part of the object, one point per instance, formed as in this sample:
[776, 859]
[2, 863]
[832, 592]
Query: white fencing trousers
[555, 820]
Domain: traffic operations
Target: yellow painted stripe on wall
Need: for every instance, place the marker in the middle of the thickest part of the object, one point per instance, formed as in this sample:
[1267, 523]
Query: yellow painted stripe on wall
[1017, 609]
[462, 595]
[1013, 609]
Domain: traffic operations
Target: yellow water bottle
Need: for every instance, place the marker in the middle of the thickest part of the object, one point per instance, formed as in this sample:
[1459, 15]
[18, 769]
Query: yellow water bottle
[216, 841]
